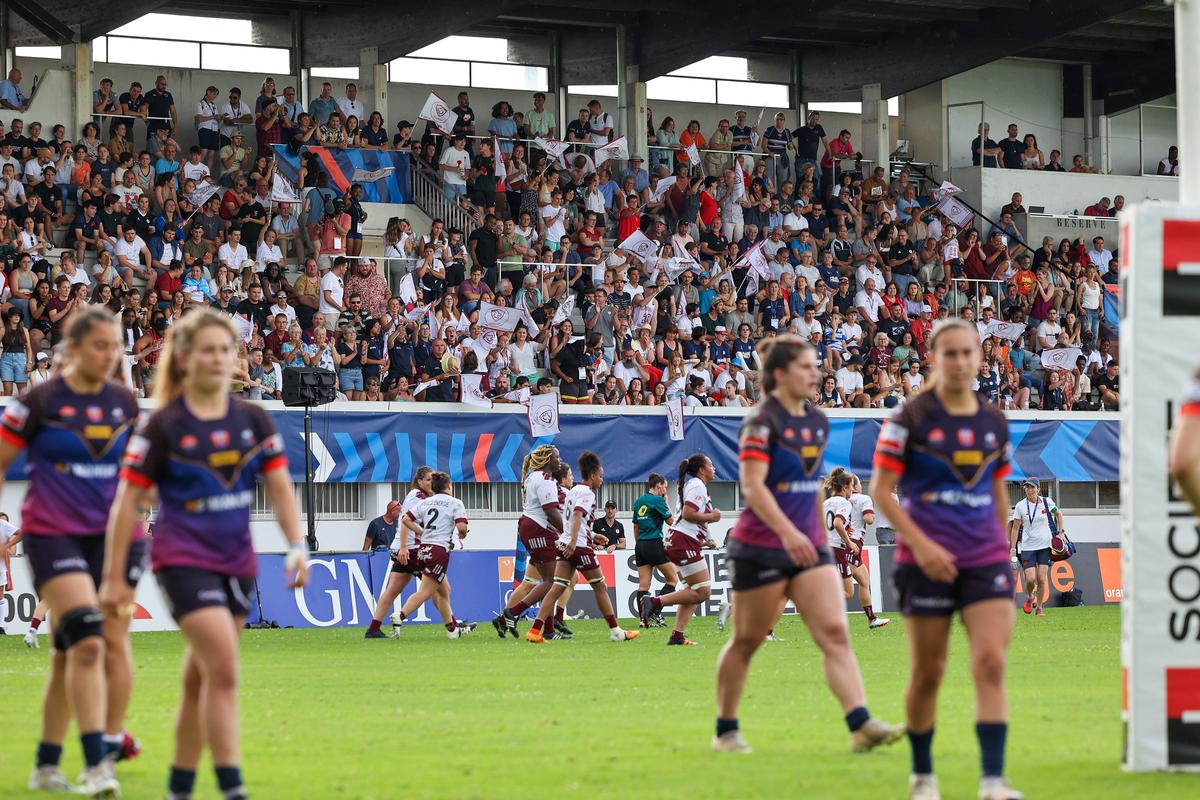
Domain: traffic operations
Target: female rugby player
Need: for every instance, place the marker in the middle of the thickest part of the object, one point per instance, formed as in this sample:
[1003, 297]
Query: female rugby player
[778, 549]
[685, 539]
[437, 517]
[862, 514]
[575, 552]
[75, 427]
[204, 451]
[400, 570]
[1185, 446]
[540, 524]
[946, 451]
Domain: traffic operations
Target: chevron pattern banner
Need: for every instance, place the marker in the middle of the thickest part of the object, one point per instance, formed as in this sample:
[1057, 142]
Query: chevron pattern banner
[385, 446]
[383, 174]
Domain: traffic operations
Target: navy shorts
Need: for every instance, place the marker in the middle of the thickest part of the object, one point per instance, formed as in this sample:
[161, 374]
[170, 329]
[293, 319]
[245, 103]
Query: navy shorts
[1035, 558]
[51, 556]
[751, 566]
[188, 589]
[922, 597]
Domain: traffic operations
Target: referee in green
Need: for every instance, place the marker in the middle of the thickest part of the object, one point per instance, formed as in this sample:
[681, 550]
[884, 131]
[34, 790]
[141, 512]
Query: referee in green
[650, 513]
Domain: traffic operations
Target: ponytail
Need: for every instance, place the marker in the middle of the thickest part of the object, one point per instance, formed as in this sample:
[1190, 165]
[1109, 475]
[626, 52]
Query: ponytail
[689, 468]
[837, 481]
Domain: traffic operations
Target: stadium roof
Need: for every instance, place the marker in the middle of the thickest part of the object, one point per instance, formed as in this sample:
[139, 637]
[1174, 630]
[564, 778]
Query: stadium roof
[841, 44]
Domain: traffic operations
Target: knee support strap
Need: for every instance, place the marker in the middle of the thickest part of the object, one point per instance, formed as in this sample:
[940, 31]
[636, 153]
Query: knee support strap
[701, 585]
[77, 626]
[563, 582]
[598, 580]
[532, 581]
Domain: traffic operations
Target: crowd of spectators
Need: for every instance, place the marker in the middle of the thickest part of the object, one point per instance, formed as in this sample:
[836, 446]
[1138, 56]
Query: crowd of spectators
[861, 262]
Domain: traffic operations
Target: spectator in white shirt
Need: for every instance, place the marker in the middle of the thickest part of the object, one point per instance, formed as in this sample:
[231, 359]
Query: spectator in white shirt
[869, 303]
[1098, 255]
[869, 269]
[600, 122]
[808, 324]
[350, 105]
[133, 257]
[453, 166]
[195, 168]
[332, 293]
[232, 253]
[235, 115]
[268, 251]
[850, 382]
[554, 216]
[1049, 329]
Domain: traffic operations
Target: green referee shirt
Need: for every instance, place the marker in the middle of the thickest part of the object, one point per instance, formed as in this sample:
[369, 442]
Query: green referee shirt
[650, 511]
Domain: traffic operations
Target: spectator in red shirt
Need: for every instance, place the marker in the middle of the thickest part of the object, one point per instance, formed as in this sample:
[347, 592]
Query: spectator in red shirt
[170, 281]
[708, 203]
[277, 337]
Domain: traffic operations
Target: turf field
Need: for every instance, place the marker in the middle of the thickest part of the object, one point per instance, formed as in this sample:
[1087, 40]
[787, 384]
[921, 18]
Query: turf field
[326, 714]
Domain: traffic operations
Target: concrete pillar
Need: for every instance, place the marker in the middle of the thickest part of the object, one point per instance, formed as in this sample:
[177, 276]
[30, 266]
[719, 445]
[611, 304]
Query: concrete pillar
[631, 95]
[557, 90]
[1089, 114]
[1187, 63]
[79, 57]
[299, 68]
[372, 83]
[876, 138]
[797, 90]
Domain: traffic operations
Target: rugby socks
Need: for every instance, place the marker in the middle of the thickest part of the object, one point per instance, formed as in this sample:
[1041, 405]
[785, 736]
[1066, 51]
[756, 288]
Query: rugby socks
[181, 782]
[611, 619]
[677, 636]
[857, 718]
[666, 589]
[48, 754]
[656, 603]
[637, 599]
[548, 628]
[724, 726]
[921, 745]
[93, 747]
[870, 612]
[229, 781]
[34, 624]
[537, 624]
[112, 744]
[558, 615]
[374, 626]
[991, 747]
[517, 610]
[451, 626]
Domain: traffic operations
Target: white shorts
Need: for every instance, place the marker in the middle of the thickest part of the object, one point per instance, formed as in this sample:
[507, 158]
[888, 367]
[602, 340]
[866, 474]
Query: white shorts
[685, 570]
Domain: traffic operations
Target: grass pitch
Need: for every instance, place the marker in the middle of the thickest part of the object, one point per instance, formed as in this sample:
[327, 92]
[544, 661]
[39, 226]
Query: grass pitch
[326, 714]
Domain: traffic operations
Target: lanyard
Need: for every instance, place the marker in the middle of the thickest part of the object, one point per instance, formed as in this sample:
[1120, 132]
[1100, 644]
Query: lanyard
[1032, 513]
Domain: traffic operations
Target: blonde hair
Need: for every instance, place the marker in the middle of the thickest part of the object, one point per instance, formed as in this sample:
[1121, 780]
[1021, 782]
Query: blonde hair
[180, 340]
[537, 459]
[951, 323]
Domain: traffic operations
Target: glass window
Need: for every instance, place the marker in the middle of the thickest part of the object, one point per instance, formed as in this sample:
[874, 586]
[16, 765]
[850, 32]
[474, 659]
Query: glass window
[587, 90]
[1110, 494]
[201, 29]
[40, 52]
[156, 52]
[430, 71]
[1072, 494]
[463, 48]
[716, 67]
[746, 93]
[239, 58]
[685, 90]
[724, 495]
[342, 73]
[509, 76]
[855, 108]
[100, 49]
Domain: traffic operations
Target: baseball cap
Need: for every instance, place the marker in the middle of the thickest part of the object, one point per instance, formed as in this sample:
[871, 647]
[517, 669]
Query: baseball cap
[1034, 482]
[402, 124]
[610, 504]
[720, 329]
[926, 309]
[43, 357]
[249, 263]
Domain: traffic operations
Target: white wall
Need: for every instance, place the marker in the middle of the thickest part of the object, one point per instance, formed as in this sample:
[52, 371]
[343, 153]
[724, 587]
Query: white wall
[1061, 193]
[1028, 93]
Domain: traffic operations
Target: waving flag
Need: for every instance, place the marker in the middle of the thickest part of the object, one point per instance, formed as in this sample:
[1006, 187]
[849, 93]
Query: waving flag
[383, 174]
[551, 147]
[617, 148]
[677, 266]
[437, 111]
[739, 183]
[519, 396]
[1005, 330]
[498, 165]
[472, 391]
[662, 187]
[693, 154]
[955, 211]
[564, 310]
[757, 261]
[640, 245]
[675, 419]
[283, 190]
[947, 189]
[543, 415]
[499, 318]
[1061, 358]
[203, 192]
[407, 290]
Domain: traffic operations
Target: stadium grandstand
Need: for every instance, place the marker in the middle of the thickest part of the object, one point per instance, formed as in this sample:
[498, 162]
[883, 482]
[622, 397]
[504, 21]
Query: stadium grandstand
[507, 224]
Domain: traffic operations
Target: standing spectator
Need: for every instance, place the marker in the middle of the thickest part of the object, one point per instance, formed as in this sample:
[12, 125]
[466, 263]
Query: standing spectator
[600, 124]
[539, 120]
[350, 105]
[464, 122]
[776, 142]
[985, 151]
[234, 115]
[1012, 148]
[332, 293]
[808, 138]
[322, 107]
[453, 166]
[1170, 164]
[160, 109]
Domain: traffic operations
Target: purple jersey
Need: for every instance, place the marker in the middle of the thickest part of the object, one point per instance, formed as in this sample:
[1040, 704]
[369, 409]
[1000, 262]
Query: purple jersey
[947, 464]
[794, 449]
[205, 471]
[75, 442]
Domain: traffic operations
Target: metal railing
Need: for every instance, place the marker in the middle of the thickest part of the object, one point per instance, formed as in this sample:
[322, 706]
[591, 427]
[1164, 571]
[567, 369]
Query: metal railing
[427, 194]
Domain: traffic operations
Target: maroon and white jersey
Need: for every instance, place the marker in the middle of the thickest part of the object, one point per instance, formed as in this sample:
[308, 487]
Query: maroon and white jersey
[409, 503]
[860, 505]
[581, 500]
[695, 495]
[438, 517]
[541, 490]
[838, 507]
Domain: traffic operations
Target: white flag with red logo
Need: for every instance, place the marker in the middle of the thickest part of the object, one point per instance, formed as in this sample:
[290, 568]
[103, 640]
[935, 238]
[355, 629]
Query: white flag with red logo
[1061, 358]
[551, 147]
[739, 180]
[640, 245]
[472, 391]
[1005, 330]
[675, 419]
[498, 318]
[564, 310]
[662, 187]
[407, 290]
[757, 261]
[498, 165]
[437, 111]
[693, 154]
[543, 415]
[617, 148]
